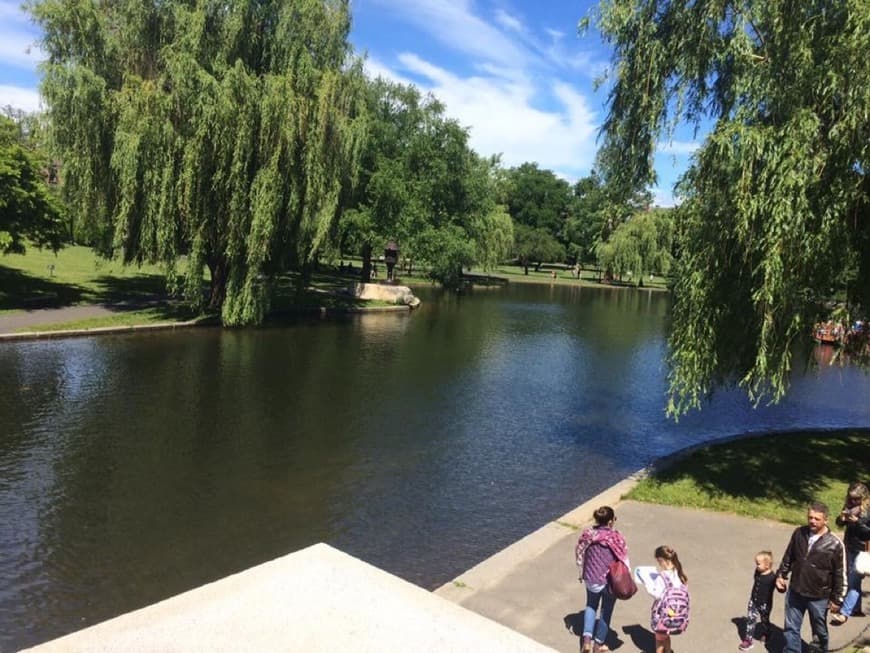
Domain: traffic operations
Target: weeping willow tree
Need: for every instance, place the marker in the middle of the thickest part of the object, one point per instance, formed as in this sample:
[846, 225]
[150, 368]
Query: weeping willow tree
[775, 214]
[222, 131]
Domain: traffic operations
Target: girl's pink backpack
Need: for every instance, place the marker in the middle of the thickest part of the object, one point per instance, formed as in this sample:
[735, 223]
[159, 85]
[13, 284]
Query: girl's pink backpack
[670, 613]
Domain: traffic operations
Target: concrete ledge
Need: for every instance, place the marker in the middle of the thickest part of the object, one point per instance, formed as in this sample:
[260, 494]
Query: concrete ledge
[317, 599]
[97, 331]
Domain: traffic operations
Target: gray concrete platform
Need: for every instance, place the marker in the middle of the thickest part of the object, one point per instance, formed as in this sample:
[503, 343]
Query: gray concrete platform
[317, 599]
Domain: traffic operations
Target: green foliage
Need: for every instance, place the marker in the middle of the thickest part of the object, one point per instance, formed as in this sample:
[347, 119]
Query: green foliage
[536, 245]
[422, 186]
[584, 229]
[492, 232]
[28, 210]
[639, 246]
[226, 132]
[447, 249]
[775, 214]
[538, 198]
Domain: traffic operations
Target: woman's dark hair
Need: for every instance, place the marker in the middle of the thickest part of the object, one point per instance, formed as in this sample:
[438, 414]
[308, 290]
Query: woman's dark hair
[667, 553]
[603, 516]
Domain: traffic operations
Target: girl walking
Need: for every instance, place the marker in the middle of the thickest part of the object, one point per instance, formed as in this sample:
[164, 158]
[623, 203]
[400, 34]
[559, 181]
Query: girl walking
[597, 548]
[666, 583]
[760, 601]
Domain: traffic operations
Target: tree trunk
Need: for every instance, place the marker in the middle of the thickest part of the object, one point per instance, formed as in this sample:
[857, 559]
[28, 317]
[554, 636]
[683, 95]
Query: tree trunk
[302, 281]
[366, 274]
[218, 289]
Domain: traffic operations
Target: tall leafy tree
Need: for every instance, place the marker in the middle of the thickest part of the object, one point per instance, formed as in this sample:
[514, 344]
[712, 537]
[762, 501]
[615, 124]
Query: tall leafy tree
[534, 246]
[775, 210]
[538, 198]
[421, 185]
[642, 245]
[587, 218]
[223, 131]
[29, 212]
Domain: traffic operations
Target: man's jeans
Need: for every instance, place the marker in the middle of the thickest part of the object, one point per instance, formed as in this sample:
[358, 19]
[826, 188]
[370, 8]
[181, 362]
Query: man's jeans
[795, 607]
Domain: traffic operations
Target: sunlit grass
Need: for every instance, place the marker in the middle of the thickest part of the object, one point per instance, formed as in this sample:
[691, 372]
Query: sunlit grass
[771, 477]
[154, 315]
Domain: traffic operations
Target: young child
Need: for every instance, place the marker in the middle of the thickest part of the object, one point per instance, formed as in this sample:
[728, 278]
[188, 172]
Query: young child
[760, 600]
[666, 583]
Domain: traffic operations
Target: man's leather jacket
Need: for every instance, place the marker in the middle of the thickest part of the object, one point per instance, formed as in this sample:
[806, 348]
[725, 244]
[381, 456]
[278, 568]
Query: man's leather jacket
[819, 573]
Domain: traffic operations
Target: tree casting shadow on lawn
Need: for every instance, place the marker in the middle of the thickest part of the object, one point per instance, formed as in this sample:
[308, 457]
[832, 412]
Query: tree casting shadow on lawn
[755, 470]
[21, 290]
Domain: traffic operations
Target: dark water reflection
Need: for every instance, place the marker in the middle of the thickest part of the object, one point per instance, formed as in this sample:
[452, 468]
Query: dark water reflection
[136, 467]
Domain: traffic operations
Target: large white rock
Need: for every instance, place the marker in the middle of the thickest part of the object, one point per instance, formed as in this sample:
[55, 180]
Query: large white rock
[395, 294]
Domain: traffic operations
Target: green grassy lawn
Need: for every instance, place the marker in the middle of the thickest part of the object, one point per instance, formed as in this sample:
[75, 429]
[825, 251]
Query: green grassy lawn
[773, 476]
[516, 274]
[78, 276]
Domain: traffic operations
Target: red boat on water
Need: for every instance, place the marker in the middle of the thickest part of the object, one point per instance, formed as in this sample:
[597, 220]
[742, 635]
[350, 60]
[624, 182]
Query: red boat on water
[829, 333]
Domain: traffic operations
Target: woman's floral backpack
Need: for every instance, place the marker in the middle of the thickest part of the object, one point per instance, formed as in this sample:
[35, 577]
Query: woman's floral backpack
[670, 613]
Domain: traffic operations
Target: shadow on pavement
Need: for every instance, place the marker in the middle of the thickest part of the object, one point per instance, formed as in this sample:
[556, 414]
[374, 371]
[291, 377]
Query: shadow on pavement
[641, 637]
[775, 640]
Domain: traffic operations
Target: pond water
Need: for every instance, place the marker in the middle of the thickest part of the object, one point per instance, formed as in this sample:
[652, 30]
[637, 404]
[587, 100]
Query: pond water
[135, 467]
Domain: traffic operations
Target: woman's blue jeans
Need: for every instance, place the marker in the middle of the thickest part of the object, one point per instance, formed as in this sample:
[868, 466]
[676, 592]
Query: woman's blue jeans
[853, 581]
[598, 629]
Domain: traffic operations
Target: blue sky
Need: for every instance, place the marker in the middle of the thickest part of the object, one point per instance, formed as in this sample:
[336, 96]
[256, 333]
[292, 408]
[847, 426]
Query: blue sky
[515, 72]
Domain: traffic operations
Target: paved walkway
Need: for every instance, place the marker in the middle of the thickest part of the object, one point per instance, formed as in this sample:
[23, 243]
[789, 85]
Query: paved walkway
[11, 322]
[534, 589]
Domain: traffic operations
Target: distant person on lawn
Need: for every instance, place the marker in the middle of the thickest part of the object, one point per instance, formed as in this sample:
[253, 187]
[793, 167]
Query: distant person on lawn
[855, 516]
[816, 560]
[596, 550]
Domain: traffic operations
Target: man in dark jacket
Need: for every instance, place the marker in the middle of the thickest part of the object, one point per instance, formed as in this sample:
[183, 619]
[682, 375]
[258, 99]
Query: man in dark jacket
[816, 559]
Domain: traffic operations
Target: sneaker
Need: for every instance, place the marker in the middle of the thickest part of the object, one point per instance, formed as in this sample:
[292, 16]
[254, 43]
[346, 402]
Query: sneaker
[838, 619]
[746, 645]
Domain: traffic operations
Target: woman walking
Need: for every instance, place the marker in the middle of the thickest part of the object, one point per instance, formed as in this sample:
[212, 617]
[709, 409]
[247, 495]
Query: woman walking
[855, 516]
[597, 548]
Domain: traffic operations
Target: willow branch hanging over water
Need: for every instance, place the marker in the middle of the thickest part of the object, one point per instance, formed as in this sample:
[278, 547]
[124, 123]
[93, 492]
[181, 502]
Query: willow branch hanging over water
[775, 215]
[219, 131]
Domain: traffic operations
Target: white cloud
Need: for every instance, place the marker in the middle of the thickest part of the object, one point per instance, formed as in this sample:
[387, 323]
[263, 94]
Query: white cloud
[374, 68]
[26, 99]
[454, 24]
[18, 38]
[663, 197]
[508, 21]
[678, 147]
[503, 118]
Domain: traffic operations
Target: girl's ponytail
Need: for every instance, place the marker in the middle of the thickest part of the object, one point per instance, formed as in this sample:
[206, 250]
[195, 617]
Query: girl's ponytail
[667, 553]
